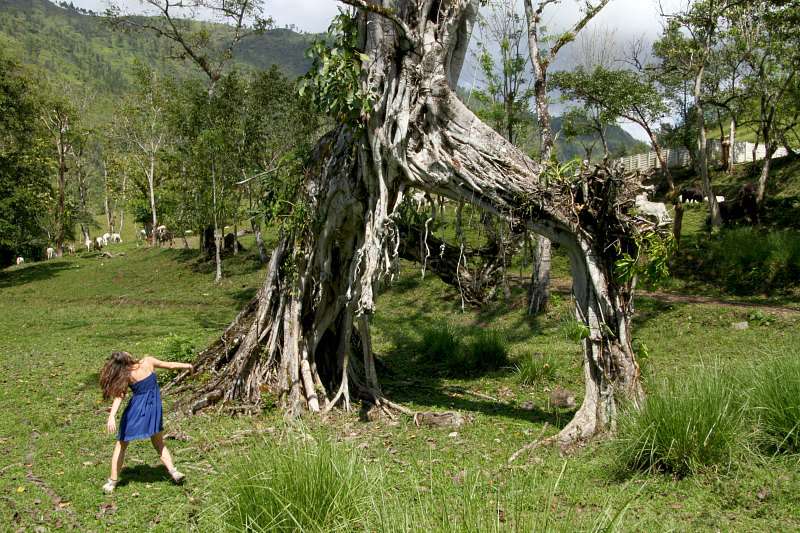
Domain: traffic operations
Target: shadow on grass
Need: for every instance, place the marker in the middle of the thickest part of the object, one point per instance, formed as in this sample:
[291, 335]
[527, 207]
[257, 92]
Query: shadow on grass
[144, 474]
[32, 273]
[432, 393]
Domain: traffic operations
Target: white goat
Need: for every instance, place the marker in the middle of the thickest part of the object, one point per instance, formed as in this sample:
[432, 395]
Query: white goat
[99, 242]
[654, 209]
[20, 260]
[88, 244]
[116, 237]
[51, 253]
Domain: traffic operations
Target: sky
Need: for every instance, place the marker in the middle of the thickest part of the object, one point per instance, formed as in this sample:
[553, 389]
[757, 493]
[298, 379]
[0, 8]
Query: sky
[627, 19]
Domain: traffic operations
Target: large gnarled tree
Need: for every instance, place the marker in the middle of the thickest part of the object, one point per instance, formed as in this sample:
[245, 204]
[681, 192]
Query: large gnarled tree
[305, 336]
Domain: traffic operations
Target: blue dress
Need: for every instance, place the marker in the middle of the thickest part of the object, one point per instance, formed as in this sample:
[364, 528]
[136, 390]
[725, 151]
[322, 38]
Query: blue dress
[142, 416]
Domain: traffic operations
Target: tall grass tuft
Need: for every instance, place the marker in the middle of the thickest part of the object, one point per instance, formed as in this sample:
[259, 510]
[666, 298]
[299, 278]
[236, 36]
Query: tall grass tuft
[298, 487]
[439, 343]
[685, 425]
[775, 404]
[487, 350]
[461, 354]
[536, 368]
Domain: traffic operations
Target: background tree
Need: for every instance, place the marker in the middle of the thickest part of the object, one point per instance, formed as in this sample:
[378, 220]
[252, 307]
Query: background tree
[687, 48]
[25, 164]
[142, 128]
[59, 119]
[542, 56]
[193, 42]
[772, 61]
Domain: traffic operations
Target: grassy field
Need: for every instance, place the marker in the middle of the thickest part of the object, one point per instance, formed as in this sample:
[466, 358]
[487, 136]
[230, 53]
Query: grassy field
[61, 319]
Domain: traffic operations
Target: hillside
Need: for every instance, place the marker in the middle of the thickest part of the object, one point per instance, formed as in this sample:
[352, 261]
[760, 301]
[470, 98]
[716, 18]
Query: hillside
[82, 49]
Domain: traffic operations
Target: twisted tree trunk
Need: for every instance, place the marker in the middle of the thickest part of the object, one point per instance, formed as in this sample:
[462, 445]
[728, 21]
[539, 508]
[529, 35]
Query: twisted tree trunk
[305, 337]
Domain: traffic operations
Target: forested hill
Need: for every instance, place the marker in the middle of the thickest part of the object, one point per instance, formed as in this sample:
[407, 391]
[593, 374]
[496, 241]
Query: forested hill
[78, 48]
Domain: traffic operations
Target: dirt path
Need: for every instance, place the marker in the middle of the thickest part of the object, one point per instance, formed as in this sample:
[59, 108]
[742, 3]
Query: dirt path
[564, 286]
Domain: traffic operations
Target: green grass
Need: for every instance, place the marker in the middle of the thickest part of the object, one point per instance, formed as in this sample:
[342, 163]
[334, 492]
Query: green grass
[62, 318]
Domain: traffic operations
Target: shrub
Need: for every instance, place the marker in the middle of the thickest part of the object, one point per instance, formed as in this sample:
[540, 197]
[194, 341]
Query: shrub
[775, 404]
[535, 368]
[297, 487]
[684, 425]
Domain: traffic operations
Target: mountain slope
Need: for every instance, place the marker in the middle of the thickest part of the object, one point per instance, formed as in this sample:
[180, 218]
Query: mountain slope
[82, 49]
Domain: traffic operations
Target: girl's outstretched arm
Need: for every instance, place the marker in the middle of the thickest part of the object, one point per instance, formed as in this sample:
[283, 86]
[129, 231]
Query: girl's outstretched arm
[111, 424]
[169, 365]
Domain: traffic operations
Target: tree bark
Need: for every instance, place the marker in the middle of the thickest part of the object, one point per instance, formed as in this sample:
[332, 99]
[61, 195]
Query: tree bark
[308, 319]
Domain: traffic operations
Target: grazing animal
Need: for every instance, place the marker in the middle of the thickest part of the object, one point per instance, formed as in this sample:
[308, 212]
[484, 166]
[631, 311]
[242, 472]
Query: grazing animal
[141, 235]
[654, 209]
[106, 237]
[99, 243]
[51, 253]
[691, 195]
[88, 243]
[71, 249]
[164, 235]
[743, 208]
[116, 237]
[20, 260]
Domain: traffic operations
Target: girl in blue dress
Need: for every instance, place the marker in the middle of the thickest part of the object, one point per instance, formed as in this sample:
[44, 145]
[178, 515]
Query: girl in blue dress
[142, 417]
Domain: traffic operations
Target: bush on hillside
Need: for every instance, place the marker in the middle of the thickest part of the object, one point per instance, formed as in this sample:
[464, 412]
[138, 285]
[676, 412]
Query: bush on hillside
[746, 260]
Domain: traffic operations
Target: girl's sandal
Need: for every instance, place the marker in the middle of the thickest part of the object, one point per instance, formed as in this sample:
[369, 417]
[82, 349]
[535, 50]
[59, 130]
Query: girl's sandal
[110, 485]
[177, 477]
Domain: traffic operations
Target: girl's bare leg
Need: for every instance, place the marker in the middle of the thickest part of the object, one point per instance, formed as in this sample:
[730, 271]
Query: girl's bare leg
[117, 459]
[163, 452]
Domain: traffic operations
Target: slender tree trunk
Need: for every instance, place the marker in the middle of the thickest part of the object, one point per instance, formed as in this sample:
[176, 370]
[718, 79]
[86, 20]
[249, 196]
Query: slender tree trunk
[732, 144]
[539, 291]
[262, 251]
[217, 235]
[151, 185]
[122, 202]
[61, 212]
[772, 147]
[106, 203]
[702, 151]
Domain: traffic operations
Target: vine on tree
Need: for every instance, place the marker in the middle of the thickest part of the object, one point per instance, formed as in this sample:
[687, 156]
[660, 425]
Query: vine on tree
[333, 82]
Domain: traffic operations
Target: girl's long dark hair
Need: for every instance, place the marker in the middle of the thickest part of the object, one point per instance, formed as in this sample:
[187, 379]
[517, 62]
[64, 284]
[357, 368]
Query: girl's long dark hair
[116, 375]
